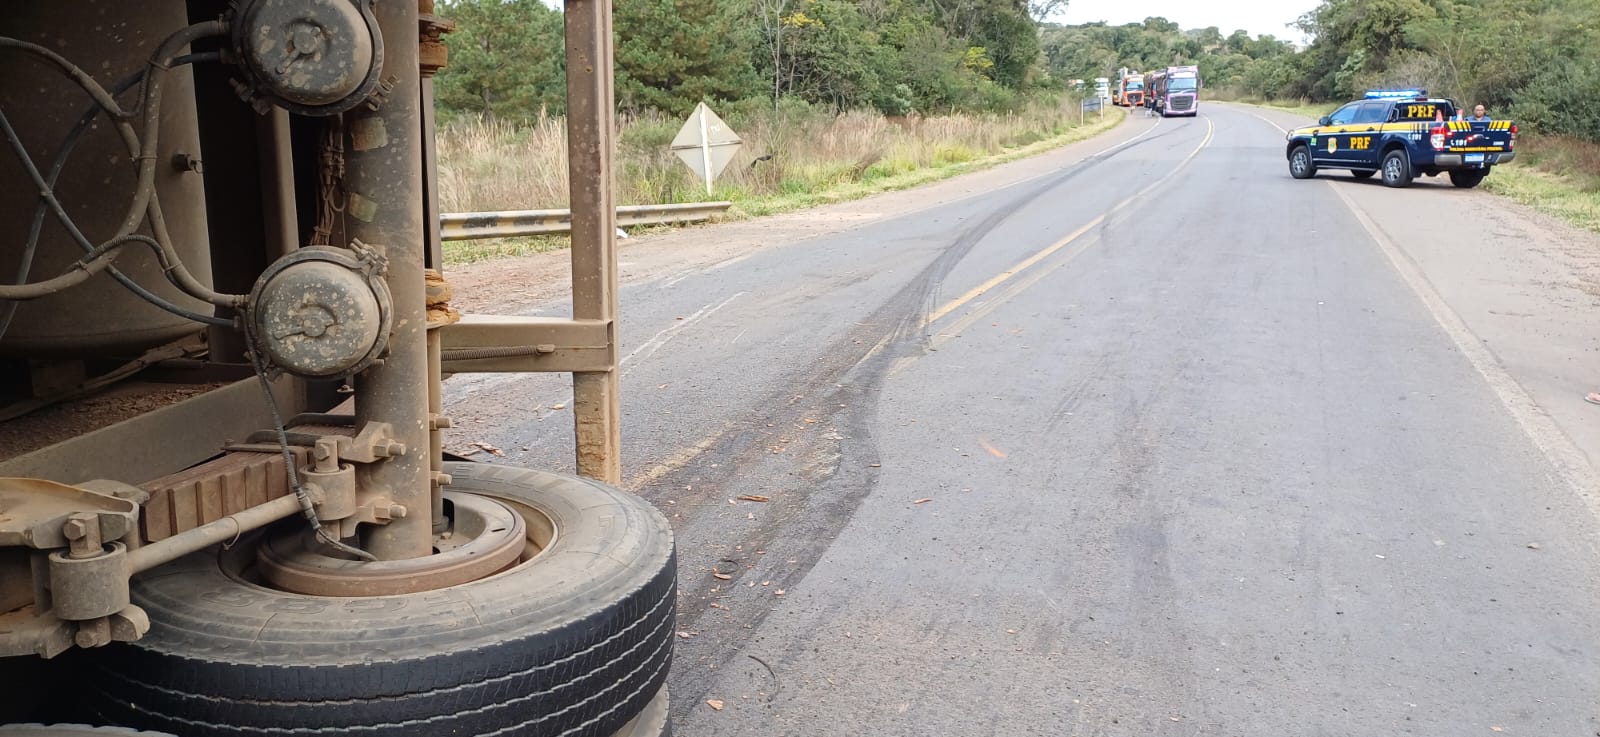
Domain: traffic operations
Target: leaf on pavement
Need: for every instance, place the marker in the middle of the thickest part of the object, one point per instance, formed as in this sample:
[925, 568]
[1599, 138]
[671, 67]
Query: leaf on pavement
[720, 575]
[996, 452]
[923, 501]
[713, 703]
[753, 498]
[490, 448]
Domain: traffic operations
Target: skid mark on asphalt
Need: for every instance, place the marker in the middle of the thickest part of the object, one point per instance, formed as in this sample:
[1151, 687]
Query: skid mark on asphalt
[1026, 264]
[809, 448]
[1572, 467]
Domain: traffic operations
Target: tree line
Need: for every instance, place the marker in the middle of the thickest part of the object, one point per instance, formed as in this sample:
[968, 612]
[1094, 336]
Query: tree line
[1536, 60]
[896, 56]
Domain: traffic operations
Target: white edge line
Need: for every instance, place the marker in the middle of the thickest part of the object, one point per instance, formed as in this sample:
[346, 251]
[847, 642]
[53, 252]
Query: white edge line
[1570, 462]
[649, 347]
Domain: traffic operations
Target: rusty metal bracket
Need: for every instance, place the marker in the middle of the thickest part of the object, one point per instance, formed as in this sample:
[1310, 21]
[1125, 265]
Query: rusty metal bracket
[35, 513]
[374, 443]
[495, 344]
[27, 631]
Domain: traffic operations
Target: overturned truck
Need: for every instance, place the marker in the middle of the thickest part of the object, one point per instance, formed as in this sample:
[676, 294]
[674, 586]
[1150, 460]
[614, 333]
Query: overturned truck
[224, 507]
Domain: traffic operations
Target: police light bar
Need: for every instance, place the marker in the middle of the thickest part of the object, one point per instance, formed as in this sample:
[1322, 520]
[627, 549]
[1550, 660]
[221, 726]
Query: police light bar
[1396, 94]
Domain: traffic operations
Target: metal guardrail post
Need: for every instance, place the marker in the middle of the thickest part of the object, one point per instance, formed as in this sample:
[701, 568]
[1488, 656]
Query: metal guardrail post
[590, 122]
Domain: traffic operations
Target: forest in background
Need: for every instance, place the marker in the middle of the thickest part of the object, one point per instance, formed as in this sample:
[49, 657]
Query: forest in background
[1535, 60]
[842, 98]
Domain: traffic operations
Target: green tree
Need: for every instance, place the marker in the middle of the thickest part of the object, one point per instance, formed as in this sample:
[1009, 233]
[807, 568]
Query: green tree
[505, 59]
[831, 55]
[672, 54]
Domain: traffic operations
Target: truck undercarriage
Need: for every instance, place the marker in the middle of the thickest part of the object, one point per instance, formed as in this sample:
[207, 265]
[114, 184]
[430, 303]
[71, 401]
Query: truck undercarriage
[223, 328]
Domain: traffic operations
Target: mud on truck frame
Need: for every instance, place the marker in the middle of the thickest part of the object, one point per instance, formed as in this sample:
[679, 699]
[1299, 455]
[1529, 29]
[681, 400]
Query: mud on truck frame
[224, 505]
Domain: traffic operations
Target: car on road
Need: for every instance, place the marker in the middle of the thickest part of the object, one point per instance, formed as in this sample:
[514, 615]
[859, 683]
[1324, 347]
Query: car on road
[1403, 134]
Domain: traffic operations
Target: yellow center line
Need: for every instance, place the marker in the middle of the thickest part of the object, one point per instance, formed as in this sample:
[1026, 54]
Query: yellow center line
[1029, 262]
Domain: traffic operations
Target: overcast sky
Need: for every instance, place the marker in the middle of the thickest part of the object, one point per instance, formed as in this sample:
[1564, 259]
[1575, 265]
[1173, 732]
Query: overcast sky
[1256, 16]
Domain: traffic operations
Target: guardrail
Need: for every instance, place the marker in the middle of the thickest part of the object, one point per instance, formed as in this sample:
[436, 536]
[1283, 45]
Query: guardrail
[466, 226]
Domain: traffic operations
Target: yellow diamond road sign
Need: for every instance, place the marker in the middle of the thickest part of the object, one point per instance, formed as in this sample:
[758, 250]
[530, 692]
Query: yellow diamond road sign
[706, 144]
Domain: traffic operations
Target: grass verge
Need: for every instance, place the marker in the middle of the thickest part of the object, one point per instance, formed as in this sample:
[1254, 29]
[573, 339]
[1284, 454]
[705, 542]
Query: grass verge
[1554, 175]
[906, 179]
[792, 159]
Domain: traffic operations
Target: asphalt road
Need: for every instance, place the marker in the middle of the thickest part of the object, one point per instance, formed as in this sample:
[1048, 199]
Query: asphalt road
[1156, 442]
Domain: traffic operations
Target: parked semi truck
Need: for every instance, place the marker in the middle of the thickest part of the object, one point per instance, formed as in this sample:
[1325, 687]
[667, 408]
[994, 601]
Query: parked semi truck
[1130, 89]
[1176, 91]
[224, 505]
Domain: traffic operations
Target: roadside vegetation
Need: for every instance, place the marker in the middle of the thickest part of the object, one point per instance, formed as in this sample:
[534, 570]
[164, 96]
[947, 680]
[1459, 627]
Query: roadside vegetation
[796, 157]
[841, 98]
[834, 99]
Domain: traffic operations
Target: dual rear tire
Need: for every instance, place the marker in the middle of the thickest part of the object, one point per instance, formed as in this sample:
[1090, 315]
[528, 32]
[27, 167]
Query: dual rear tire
[573, 640]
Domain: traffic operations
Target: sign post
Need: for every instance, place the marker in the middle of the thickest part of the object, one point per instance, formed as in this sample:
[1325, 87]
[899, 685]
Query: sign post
[706, 144]
[1089, 104]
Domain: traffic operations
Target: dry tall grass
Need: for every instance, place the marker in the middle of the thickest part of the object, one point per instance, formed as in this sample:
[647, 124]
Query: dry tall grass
[500, 166]
[1574, 158]
[794, 150]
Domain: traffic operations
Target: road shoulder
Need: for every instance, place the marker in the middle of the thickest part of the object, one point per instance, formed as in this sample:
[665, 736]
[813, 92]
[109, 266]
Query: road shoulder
[1523, 285]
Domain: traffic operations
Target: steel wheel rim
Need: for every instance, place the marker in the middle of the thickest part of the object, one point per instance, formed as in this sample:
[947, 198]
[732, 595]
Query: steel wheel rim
[535, 529]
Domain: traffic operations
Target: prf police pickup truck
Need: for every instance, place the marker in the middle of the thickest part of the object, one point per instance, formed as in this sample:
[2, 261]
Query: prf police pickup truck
[1402, 134]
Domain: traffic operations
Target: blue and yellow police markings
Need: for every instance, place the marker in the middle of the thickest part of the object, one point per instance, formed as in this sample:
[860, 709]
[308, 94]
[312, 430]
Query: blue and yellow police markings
[1466, 125]
[1352, 143]
[1338, 136]
[1418, 111]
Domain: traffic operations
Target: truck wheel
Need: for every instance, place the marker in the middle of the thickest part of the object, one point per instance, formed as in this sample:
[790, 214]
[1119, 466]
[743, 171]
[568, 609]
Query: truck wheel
[1466, 179]
[1396, 169]
[1300, 164]
[1363, 173]
[575, 639]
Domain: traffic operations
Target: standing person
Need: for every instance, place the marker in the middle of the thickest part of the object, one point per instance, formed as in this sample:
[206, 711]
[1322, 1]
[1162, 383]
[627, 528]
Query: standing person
[1479, 114]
